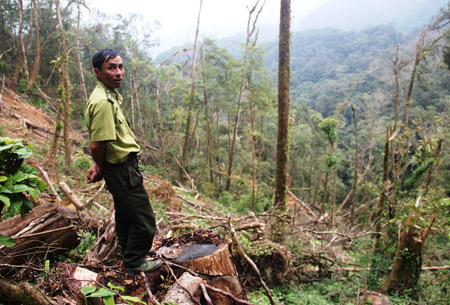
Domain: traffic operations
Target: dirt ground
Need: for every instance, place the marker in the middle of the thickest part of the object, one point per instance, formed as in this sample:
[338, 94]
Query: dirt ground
[17, 112]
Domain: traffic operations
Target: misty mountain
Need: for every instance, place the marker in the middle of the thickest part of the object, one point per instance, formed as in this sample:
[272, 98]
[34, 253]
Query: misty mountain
[404, 15]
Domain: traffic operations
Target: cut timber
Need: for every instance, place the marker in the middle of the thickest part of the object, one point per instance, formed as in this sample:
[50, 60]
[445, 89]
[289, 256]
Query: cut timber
[216, 262]
[22, 293]
[43, 232]
[209, 255]
[71, 195]
[179, 294]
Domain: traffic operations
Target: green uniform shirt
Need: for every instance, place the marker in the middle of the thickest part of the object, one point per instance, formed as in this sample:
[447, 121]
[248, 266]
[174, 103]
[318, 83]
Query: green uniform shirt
[105, 122]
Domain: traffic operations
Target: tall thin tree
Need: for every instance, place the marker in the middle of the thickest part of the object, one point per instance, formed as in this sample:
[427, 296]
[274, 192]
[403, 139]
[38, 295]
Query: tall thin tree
[191, 98]
[284, 71]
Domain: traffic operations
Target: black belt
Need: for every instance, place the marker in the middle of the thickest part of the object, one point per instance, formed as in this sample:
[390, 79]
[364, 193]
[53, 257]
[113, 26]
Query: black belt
[132, 156]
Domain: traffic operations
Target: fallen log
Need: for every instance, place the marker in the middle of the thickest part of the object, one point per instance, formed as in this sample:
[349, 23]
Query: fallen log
[44, 232]
[71, 195]
[186, 290]
[22, 293]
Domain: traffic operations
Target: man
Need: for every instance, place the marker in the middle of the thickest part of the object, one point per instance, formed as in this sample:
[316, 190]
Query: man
[114, 149]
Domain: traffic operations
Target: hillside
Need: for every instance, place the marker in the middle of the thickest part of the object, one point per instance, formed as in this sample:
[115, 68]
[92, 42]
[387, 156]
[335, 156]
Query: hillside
[404, 15]
[20, 120]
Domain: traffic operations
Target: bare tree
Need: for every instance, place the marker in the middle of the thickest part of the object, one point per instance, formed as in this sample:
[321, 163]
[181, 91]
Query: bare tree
[251, 27]
[191, 98]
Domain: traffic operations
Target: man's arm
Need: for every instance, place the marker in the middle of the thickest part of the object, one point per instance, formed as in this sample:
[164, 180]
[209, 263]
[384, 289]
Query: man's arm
[95, 173]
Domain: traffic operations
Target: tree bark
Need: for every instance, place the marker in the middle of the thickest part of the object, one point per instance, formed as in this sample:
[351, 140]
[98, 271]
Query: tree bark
[283, 105]
[64, 90]
[22, 293]
[177, 293]
[191, 98]
[37, 48]
[42, 233]
[251, 27]
[407, 265]
[209, 255]
[383, 192]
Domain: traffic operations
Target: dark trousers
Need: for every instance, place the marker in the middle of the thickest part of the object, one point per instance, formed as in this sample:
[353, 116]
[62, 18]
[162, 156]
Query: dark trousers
[135, 221]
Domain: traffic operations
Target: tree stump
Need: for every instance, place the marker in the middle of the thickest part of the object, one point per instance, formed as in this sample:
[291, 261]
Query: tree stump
[44, 232]
[407, 267]
[209, 255]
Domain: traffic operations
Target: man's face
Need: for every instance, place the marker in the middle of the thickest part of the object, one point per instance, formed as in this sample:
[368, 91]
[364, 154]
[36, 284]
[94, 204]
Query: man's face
[111, 73]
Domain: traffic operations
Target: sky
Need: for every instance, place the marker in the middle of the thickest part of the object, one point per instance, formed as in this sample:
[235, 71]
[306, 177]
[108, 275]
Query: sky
[219, 18]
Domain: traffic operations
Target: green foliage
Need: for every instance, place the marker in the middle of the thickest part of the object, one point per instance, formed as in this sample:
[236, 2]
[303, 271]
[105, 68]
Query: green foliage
[81, 165]
[22, 86]
[6, 241]
[330, 160]
[18, 180]
[87, 240]
[328, 127]
[413, 181]
[108, 294]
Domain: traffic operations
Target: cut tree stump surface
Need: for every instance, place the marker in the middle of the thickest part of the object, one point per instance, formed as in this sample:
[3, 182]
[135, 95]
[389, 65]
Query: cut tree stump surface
[209, 255]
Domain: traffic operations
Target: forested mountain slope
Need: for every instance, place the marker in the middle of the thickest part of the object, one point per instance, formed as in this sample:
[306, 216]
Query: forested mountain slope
[368, 166]
[404, 15]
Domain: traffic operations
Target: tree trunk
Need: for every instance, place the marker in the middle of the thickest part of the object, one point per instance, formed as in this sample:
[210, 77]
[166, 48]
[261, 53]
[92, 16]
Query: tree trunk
[407, 266]
[191, 98]
[250, 33]
[22, 293]
[383, 193]
[37, 48]
[355, 172]
[21, 44]
[160, 130]
[283, 106]
[178, 295]
[208, 160]
[54, 145]
[64, 90]
[42, 233]
[208, 254]
[80, 66]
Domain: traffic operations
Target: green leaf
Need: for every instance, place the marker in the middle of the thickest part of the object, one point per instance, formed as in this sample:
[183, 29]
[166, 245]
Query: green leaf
[23, 152]
[33, 193]
[88, 289]
[109, 300]
[7, 187]
[19, 188]
[20, 176]
[41, 185]
[5, 200]
[15, 206]
[6, 241]
[132, 299]
[3, 178]
[102, 292]
[115, 287]
[5, 147]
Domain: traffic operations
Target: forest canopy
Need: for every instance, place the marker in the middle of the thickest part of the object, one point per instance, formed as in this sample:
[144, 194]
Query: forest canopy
[368, 122]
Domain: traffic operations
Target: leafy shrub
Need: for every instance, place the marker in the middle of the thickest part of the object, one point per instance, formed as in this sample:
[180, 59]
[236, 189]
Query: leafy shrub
[82, 163]
[22, 86]
[18, 181]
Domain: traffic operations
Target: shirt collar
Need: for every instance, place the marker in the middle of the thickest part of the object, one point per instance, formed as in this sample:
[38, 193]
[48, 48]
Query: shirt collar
[111, 91]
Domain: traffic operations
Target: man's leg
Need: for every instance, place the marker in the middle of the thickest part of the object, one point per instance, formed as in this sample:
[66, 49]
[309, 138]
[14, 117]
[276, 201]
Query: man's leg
[131, 199]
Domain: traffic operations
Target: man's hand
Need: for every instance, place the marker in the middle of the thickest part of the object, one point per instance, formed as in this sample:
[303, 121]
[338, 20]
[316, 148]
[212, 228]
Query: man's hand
[94, 174]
